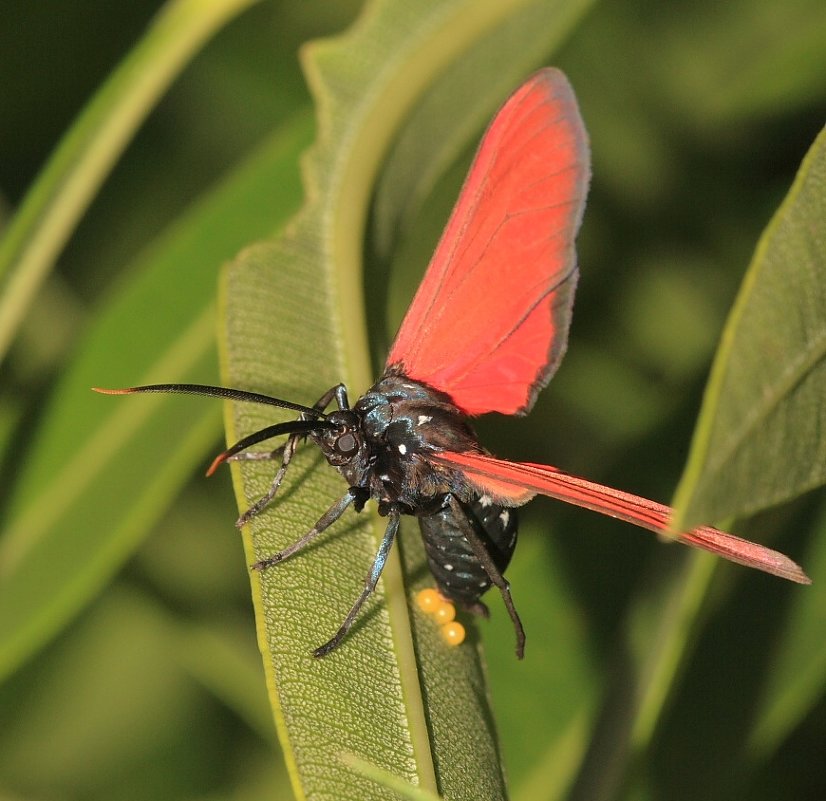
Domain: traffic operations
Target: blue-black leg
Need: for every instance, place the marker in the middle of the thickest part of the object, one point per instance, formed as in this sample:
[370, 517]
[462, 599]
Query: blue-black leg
[286, 453]
[369, 584]
[494, 574]
[324, 522]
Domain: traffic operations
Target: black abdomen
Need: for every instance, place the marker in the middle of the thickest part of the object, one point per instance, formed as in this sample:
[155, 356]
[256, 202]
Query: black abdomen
[459, 574]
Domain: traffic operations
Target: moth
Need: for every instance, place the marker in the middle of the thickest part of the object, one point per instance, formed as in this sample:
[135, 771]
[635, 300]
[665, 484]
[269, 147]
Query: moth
[485, 332]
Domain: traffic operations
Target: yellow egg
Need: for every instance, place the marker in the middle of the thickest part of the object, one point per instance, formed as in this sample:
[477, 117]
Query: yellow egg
[453, 633]
[445, 612]
[429, 600]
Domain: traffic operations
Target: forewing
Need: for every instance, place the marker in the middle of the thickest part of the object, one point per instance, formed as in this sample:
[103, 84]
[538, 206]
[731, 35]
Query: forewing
[489, 324]
[509, 481]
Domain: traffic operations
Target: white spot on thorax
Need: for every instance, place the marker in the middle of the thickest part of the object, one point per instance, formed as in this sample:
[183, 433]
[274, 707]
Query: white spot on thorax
[448, 567]
[485, 500]
[505, 517]
[402, 449]
[422, 419]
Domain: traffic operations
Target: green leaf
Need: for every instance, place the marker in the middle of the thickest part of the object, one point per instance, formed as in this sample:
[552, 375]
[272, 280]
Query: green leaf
[759, 438]
[386, 779]
[73, 175]
[89, 491]
[393, 695]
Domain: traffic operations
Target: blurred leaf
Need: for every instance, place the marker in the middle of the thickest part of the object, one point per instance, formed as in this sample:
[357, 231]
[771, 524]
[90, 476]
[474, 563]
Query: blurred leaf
[553, 693]
[555, 771]
[657, 630]
[295, 320]
[730, 62]
[87, 152]
[98, 723]
[101, 472]
[758, 439]
[223, 662]
[798, 676]
[597, 384]
[669, 319]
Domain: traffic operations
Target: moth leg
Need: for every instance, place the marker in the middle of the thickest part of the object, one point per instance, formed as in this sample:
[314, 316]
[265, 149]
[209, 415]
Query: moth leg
[369, 584]
[339, 392]
[324, 522]
[258, 456]
[285, 453]
[495, 576]
[288, 450]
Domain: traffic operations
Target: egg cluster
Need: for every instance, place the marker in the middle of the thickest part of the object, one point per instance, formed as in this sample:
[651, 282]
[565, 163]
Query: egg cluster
[444, 612]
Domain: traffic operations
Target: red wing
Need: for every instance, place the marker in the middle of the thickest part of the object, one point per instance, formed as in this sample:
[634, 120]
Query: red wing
[489, 324]
[508, 482]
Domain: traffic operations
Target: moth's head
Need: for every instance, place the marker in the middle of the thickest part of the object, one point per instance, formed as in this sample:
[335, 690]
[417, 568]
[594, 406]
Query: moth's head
[341, 440]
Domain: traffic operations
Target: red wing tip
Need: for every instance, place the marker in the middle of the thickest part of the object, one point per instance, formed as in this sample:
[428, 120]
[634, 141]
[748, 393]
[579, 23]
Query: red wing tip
[778, 564]
[795, 573]
[772, 562]
[787, 570]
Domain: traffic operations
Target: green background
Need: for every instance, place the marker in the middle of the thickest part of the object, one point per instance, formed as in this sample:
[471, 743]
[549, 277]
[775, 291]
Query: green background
[699, 116]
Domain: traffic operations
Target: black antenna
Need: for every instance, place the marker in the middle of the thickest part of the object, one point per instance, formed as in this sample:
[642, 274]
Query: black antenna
[227, 393]
[290, 427]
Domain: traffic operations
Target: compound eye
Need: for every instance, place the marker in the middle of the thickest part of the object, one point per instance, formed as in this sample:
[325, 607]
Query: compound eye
[347, 444]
